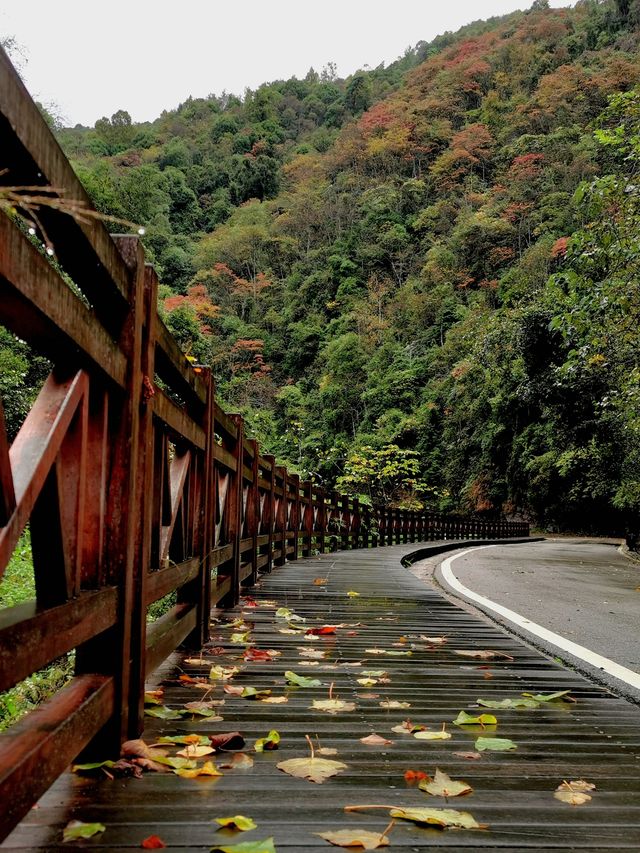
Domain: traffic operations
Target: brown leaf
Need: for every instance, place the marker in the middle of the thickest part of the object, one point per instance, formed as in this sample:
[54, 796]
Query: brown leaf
[470, 756]
[375, 740]
[355, 838]
[486, 654]
[320, 581]
[139, 749]
[314, 769]
[574, 793]
[239, 761]
[227, 741]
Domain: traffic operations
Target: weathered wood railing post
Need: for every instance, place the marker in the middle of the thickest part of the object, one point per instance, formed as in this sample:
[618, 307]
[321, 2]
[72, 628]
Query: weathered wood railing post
[322, 519]
[270, 513]
[253, 512]
[281, 517]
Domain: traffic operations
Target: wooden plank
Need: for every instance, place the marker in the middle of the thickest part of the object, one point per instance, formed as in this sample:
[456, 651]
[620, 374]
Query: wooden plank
[222, 455]
[38, 306]
[38, 748]
[225, 423]
[166, 633]
[33, 157]
[30, 638]
[173, 366]
[177, 419]
[221, 588]
[163, 581]
[178, 469]
[35, 448]
[7, 492]
[221, 554]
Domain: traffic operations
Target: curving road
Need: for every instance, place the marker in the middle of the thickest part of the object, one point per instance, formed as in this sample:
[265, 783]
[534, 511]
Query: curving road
[586, 593]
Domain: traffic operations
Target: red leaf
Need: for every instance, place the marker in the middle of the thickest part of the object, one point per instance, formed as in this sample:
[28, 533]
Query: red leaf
[325, 629]
[231, 741]
[153, 842]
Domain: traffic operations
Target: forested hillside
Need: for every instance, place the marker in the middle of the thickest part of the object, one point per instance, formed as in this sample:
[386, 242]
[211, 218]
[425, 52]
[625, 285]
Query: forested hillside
[419, 283]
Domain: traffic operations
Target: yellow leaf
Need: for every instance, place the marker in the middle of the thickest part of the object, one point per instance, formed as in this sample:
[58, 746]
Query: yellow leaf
[314, 769]
[355, 838]
[443, 786]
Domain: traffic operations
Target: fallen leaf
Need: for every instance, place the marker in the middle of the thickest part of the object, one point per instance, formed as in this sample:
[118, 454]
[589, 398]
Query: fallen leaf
[259, 655]
[443, 786]
[198, 740]
[301, 680]
[433, 817]
[508, 703]
[434, 641]
[264, 846]
[139, 749]
[239, 822]
[375, 740]
[482, 655]
[322, 630]
[207, 769]
[327, 750]
[203, 709]
[332, 706]
[320, 581]
[470, 756]
[355, 838]
[374, 673]
[275, 700]
[307, 663]
[269, 742]
[443, 734]
[314, 769]
[288, 631]
[464, 719]
[407, 727]
[163, 713]
[367, 682]
[153, 697]
[222, 672]
[229, 741]
[77, 829]
[574, 793]
[412, 776]
[494, 744]
[245, 692]
[240, 638]
[239, 761]
[194, 751]
[315, 654]
[368, 695]
[353, 594]
[551, 697]
[391, 704]
[152, 842]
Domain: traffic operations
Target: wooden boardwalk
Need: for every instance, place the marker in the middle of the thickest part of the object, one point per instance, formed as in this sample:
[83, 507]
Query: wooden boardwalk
[596, 739]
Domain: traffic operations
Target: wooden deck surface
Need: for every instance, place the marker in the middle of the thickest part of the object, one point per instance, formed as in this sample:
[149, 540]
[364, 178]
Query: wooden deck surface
[596, 739]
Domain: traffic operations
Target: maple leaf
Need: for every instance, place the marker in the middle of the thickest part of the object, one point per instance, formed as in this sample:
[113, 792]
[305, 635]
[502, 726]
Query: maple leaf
[443, 786]
[239, 822]
[355, 838]
[76, 829]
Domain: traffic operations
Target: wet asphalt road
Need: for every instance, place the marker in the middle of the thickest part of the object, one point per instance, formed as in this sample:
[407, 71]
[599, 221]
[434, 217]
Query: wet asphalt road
[586, 592]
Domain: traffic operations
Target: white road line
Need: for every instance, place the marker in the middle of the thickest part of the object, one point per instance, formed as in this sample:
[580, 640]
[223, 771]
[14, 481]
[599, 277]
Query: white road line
[593, 658]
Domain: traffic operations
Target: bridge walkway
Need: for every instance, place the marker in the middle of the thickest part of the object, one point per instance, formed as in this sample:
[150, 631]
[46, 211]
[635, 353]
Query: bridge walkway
[382, 628]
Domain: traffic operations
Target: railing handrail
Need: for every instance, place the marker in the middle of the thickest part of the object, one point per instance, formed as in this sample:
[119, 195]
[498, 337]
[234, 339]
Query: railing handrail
[134, 480]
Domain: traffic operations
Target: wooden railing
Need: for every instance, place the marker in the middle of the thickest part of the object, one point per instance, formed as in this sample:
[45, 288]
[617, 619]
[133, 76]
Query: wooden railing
[132, 479]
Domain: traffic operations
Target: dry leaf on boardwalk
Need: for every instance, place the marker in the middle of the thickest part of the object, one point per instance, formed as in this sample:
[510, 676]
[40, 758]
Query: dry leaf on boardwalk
[375, 740]
[355, 838]
[443, 786]
[574, 793]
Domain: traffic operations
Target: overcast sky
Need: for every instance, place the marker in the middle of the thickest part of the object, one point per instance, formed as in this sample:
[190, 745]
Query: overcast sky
[144, 56]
